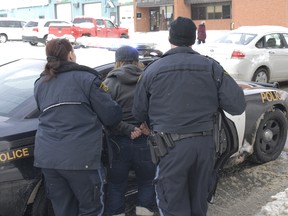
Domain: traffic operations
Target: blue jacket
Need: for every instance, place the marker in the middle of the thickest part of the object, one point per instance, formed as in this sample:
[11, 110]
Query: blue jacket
[74, 109]
[181, 91]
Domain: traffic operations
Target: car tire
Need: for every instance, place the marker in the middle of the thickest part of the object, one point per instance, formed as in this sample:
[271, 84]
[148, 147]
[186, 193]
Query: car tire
[270, 137]
[124, 36]
[33, 43]
[45, 39]
[42, 205]
[261, 75]
[3, 38]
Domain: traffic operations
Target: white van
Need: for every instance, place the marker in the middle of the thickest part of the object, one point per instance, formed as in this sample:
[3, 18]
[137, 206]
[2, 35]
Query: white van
[10, 29]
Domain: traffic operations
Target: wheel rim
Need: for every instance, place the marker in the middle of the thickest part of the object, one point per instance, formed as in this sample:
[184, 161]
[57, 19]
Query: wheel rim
[271, 134]
[261, 77]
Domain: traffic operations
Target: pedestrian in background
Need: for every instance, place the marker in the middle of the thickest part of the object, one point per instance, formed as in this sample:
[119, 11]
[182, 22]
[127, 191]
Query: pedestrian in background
[201, 33]
[129, 139]
[179, 95]
[74, 108]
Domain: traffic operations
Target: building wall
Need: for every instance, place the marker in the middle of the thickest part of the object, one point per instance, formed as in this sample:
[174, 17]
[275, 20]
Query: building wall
[259, 12]
[181, 9]
[244, 12]
[224, 24]
[48, 11]
[142, 24]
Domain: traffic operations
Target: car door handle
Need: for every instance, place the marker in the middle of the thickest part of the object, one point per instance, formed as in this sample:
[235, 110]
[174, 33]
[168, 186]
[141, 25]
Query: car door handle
[211, 50]
[271, 52]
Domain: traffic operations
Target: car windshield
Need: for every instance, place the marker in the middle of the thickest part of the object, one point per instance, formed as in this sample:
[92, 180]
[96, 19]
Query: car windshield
[17, 83]
[237, 38]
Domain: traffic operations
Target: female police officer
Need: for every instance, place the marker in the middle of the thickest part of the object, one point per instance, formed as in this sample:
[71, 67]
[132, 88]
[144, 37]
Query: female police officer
[68, 143]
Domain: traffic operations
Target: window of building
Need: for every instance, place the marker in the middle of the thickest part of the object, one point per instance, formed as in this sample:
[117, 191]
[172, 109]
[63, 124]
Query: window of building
[166, 17]
[211, 11]
[226, 12]
[199, 13]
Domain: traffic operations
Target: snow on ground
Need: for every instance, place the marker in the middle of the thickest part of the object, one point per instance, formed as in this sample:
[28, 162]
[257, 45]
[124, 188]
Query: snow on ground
[277, 207]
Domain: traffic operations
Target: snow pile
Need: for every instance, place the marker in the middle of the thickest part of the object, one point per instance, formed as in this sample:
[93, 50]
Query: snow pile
[278, 207]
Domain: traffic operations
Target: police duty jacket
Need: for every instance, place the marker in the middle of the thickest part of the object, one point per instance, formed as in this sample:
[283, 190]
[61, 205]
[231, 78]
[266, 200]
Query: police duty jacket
[181, 91]
[121, 84]
[73, 108]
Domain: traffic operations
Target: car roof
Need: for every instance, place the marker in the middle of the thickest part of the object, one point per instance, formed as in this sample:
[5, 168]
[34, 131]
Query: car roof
[261, 29]
[11, 19]
[46, 20]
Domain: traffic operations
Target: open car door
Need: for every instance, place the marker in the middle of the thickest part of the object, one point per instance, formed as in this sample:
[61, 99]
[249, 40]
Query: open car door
[227, 145]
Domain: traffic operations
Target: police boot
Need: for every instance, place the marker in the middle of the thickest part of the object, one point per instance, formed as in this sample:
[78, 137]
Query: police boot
[141, 211]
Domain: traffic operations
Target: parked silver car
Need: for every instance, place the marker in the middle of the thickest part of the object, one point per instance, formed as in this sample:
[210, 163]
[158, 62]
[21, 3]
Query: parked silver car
[11, 29]
[252, 53]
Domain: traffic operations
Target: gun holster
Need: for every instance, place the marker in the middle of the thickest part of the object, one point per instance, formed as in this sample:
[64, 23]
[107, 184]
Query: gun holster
[159, 144]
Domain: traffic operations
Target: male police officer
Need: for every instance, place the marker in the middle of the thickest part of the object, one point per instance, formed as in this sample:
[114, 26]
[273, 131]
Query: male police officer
[178, 95]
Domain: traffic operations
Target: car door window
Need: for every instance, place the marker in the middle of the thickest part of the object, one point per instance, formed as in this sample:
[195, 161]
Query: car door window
[109, 24]
[274, 41]
[261, 43]
[100, 23]
[286, 38]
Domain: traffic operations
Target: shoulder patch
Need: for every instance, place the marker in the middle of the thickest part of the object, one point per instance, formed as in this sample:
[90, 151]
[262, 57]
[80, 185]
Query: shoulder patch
[139, 78]
[208, 57]
[225, 72]
[104, 87]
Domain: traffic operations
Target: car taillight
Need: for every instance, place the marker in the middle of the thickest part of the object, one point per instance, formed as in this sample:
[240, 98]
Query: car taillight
[237, 54]
[35, 29]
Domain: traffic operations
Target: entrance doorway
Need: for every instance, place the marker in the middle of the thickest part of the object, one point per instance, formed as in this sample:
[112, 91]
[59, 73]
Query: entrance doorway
[154, 19]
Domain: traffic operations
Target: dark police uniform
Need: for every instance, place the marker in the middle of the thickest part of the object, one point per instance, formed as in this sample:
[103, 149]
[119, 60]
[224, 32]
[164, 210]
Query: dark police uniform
[68, 141]
[179, 94]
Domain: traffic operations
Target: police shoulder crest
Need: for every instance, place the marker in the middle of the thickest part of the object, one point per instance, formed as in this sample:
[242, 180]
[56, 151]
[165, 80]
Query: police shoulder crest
[139, 78]
[104, 87]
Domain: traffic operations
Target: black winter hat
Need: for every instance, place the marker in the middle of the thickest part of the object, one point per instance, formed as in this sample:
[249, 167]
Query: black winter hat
[182, 32]
[126, 54]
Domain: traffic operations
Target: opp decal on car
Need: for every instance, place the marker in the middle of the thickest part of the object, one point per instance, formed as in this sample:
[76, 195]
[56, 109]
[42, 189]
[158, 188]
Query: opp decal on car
[14, 154]
[270, 96]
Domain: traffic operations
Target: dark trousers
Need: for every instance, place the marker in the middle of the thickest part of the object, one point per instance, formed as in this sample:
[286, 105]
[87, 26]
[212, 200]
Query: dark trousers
[130, 155]
[183, 177]
[75, 192]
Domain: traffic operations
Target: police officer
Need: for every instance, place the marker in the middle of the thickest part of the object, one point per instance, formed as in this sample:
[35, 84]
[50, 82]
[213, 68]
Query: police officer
[74, 107]
[178, 95]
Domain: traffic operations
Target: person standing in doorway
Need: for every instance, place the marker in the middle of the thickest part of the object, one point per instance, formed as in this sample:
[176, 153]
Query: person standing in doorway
[179, 95]
[201, 33]
[128, 140]
[74, 107]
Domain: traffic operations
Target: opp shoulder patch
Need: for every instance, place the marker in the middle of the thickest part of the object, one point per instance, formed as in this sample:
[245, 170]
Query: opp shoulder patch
[104, 87]
[139, 78]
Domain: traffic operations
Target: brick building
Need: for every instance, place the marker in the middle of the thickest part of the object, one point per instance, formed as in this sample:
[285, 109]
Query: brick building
[218, 14]
[156, 15]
